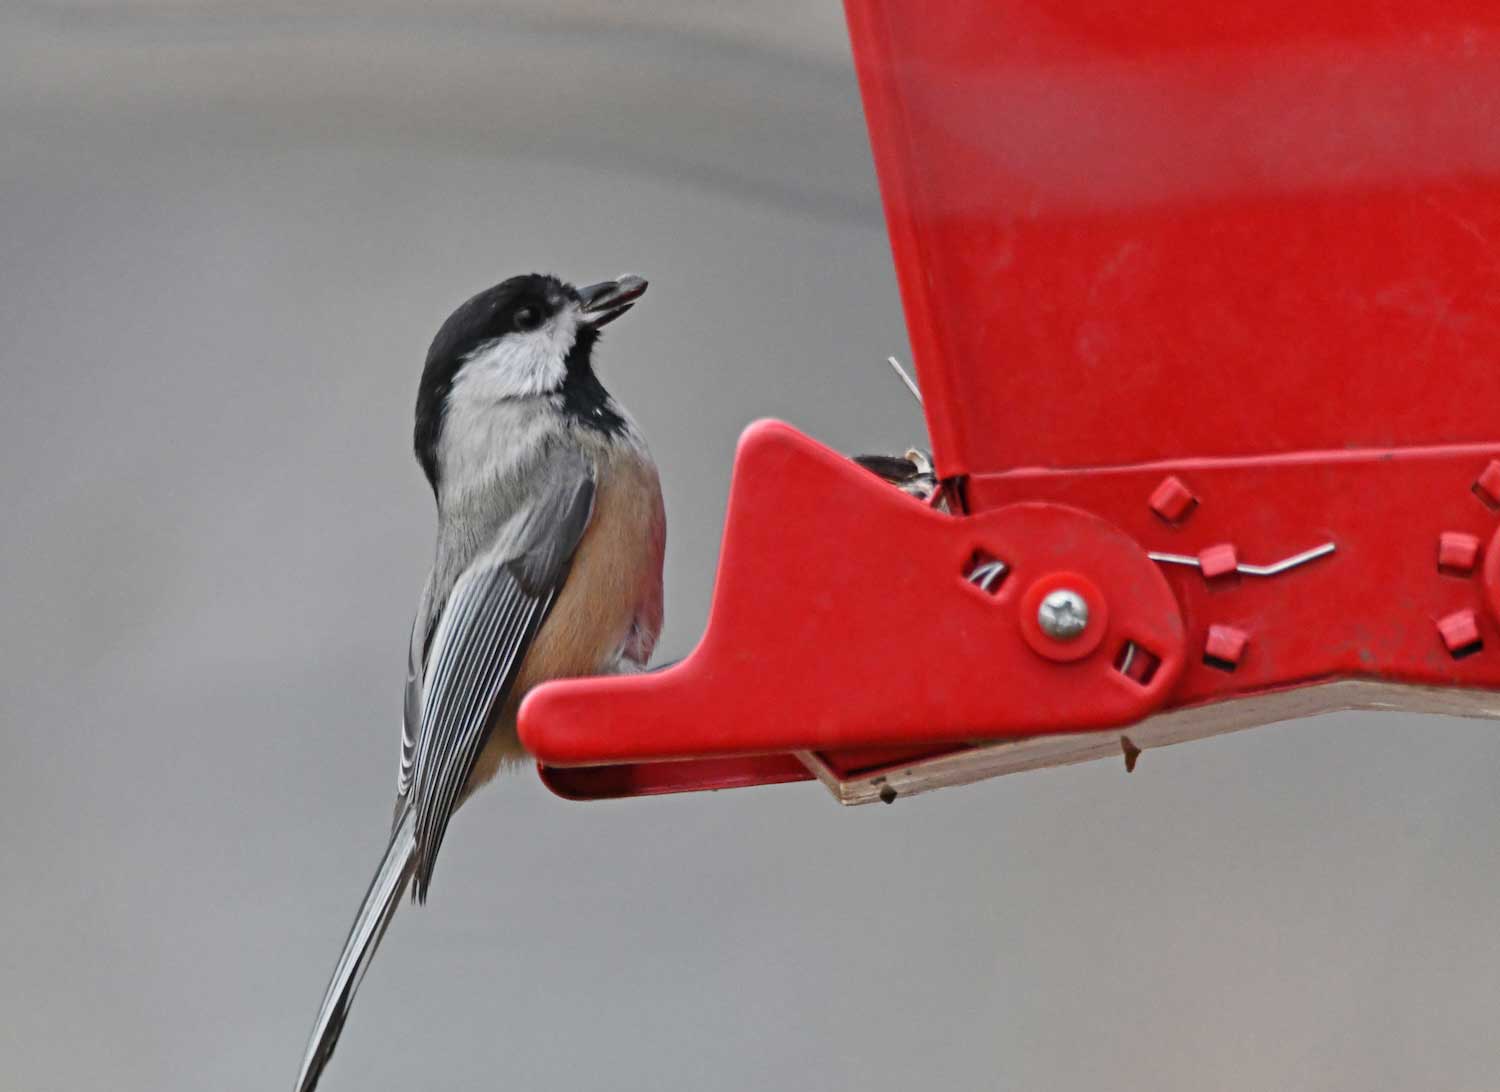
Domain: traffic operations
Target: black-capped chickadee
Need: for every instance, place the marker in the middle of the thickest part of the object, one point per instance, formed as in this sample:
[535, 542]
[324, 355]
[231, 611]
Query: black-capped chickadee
[550, 539]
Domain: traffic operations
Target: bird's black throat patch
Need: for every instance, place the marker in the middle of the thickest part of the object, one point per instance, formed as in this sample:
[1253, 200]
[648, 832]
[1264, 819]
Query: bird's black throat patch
[583, 397]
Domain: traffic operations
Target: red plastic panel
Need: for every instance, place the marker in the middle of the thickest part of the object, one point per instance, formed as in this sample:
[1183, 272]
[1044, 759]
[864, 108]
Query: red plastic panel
[843, 617]
[1129, 232]
[1370, 608]
[1410, 593]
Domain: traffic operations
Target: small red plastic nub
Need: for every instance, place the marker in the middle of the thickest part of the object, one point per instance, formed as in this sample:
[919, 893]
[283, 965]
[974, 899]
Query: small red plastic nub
[1225, 646]
[1460, 631]
[1458, 552]
[1488, 485]
[1172, 500]
[1218, 561]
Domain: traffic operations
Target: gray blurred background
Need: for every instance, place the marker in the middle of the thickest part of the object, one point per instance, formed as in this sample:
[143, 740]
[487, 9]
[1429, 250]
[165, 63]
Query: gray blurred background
[227, 234]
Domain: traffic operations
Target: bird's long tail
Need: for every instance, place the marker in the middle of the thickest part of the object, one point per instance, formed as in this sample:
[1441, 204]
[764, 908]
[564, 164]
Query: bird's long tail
[369, 926]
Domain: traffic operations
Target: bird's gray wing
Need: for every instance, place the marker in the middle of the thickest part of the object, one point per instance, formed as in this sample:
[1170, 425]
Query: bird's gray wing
[481, 638]
[411, 707]
[460, 665]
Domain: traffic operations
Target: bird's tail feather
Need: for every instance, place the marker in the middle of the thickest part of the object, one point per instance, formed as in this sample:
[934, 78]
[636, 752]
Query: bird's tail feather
[364, 937]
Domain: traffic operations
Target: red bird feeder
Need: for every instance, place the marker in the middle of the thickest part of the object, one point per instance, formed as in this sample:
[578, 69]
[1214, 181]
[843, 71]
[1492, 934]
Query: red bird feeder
[1205, 305]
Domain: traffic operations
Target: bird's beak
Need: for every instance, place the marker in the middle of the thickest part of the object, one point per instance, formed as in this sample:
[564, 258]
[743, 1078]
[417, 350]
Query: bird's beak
[606, 301]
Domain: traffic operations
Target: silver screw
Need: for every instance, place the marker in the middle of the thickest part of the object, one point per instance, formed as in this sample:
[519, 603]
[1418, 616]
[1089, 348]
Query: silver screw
[1063, 615]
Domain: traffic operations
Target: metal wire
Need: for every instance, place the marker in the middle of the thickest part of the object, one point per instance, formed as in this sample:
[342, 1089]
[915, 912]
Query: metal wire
[1274, 569]
[911, 384]
[985, 575]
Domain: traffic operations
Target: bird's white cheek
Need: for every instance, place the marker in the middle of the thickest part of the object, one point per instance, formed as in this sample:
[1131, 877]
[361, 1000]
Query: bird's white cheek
[517, 365]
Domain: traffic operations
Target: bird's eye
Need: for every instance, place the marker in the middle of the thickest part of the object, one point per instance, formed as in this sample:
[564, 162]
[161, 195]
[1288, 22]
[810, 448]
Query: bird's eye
[528, 318]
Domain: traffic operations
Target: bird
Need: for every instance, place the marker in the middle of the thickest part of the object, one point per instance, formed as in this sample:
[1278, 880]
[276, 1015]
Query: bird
[911, 473]
[548, 564]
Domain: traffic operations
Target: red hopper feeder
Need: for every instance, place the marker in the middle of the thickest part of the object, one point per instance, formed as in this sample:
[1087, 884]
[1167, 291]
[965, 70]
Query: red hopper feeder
[1204, 300]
